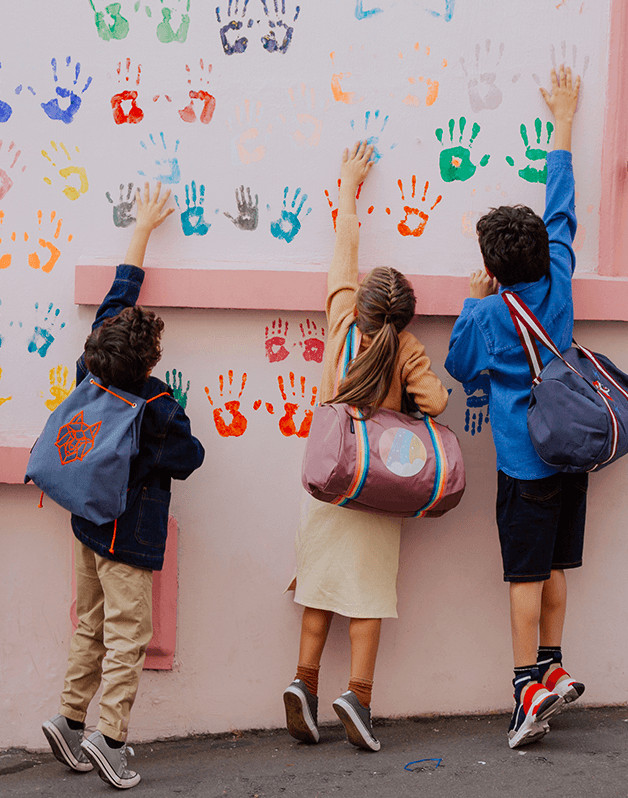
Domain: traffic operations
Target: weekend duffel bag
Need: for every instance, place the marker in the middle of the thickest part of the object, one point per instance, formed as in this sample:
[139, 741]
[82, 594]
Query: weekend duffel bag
[578, 411]
[391, 463]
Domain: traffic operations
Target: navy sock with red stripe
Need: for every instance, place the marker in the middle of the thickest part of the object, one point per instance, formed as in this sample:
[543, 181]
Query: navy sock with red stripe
[523, 676]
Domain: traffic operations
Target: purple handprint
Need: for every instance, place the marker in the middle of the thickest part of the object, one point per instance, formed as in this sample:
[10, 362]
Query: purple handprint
[52, 108]
[273, 41]
[231, 42]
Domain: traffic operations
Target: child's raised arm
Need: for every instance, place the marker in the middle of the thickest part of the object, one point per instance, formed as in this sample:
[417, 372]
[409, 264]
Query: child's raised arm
[150, 214]
[356, 164]
[562, 102]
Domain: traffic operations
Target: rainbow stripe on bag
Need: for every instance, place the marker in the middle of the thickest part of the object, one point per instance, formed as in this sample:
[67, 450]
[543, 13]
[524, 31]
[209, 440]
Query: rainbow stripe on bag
[440, 478]
[362, 460]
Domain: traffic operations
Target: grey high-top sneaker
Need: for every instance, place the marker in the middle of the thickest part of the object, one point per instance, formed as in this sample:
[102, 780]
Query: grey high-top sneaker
[110, 762]
[66, 743]
[357, 721]
[301, 712]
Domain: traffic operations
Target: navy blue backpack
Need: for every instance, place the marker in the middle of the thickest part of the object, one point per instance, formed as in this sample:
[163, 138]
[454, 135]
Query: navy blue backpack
[578, 411]
[83, 456]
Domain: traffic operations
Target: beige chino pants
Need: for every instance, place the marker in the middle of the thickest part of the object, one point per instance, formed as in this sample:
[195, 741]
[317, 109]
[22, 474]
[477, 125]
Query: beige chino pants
[114, 608]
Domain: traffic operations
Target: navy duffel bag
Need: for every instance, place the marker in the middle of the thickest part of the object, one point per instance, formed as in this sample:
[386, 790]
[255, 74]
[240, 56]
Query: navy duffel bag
[578, 411]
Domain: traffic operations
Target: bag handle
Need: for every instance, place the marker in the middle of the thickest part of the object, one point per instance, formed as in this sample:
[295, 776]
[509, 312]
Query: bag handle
[349, 352]
[530, 328]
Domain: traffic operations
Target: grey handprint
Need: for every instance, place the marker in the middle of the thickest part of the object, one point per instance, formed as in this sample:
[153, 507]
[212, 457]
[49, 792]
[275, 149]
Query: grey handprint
[481, 76]
[122, 210]
[248, 213]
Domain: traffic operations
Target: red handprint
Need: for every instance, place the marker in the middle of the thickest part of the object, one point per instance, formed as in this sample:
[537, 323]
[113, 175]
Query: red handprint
[312, 341]
[135, 113]
[334, 211]
[208, 101]
[403, 227]
[286, 422]
[238, 424]
[276, 341]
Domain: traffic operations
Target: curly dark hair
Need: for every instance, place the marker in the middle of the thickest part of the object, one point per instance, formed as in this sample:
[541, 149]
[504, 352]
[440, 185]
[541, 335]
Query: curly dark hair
[123, 350]
[514, 244]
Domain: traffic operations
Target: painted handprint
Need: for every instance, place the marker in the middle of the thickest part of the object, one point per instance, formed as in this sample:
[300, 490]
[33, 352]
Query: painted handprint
[246, 126]
[334, 209]
[207, 101]
[481, 76]
[48, 240]
[230, 38]
[420, 217]
[9, 155]
[248, 212]
[53, 108]
[72, 192]
[110, 23]
[447, 12]
[364, 13]
[5, 109]
[423, 89]
[279, 36]
[536, 171]
[287, 425]
[238, 424]
[5, 256]
[167, 169]
[477, 412]
[371, 128]
[455, 161]
[338, 87]
[192, 218]
[4, 399]
[43, 336]
[123, 208]
[275, 341]
[130, 113]
[288, 225]
[176, 384]
[309, 122]
[59, 390]
[165, 30]
[312, 341]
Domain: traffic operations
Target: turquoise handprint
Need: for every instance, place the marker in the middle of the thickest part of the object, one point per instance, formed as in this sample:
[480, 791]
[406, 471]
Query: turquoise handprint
[365, 131]
[289, 224]
[538, 155]
[167, 167]
[192, 219]
[455, 161]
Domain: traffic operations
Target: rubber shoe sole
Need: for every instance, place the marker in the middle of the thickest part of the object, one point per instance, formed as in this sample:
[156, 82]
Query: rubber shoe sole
[572, 693]
[61, 750]
[105, 771]
[354, 726]
[299, 719]
[536, 727]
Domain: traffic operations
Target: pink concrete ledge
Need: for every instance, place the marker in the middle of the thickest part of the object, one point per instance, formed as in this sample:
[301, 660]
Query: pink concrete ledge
[596, 298]
[13, 462]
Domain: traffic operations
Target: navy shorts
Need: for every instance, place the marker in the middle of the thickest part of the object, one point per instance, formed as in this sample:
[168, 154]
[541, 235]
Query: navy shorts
[541, 524]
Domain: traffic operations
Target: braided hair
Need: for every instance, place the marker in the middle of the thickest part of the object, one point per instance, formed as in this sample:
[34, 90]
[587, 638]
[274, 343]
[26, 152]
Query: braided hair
[385, 303]
[123, 350]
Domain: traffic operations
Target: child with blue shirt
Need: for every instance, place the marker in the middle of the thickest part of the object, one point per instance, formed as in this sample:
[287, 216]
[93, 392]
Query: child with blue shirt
[540, 512]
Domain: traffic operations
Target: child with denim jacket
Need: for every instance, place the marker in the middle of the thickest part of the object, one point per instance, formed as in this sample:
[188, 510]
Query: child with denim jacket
[114, 562]
[540, 511]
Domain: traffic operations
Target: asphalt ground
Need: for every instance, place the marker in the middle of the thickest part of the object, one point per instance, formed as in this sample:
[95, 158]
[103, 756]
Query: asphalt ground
[584, 756]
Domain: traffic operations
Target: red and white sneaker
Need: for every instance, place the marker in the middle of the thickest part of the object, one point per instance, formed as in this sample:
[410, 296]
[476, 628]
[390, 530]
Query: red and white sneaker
[557, 680]
[529, 719]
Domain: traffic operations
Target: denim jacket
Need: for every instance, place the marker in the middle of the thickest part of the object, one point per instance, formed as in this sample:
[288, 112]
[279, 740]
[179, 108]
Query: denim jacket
[167, 450]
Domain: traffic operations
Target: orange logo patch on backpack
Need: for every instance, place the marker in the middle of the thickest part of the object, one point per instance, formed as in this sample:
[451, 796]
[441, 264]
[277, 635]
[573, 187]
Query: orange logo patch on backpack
[76, 439]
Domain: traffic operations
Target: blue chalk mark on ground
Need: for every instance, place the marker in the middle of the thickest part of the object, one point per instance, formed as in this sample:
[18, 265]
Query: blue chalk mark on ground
[289, 224]
[436, 760]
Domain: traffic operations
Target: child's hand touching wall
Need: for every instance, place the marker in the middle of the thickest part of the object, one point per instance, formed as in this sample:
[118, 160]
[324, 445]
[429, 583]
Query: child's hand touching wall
[150, 212]
[562, 102]
[356, 164]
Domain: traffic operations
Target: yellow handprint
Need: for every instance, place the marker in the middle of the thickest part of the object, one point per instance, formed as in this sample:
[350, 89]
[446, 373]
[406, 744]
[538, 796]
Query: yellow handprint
[4, 399]
[70, 191]
[58, 387]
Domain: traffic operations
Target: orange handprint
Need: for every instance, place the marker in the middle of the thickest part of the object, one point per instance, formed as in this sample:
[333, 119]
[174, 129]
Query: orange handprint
[34, 261]
[5, 257]
[286, 422]
[403, 227]
[428, 93]
[238, 424]
[337, 89]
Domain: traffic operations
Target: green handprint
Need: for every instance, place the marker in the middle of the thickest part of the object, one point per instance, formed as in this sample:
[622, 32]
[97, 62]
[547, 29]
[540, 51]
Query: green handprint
[532, 173]
[177, 387]
[455, 162]
[118, 28]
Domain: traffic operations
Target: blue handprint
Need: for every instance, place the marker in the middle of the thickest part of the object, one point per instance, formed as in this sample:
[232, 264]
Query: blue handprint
[231, 42]
[192, 220]
[270, 42]
[168, 170]
[363, 13]
[288, 224]
[42, 336]
[371, 120]
[447, 14]
[5, 109]
[477, 393]
[52, 107]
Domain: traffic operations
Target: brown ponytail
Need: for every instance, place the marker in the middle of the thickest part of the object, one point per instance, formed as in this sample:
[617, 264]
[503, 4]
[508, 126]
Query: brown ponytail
[385, 302]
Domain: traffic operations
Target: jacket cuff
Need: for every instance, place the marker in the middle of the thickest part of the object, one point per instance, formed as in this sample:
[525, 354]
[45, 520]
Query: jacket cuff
[125, 271]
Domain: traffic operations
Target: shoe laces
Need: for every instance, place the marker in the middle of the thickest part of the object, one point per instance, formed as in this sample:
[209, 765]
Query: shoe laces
[125, 753]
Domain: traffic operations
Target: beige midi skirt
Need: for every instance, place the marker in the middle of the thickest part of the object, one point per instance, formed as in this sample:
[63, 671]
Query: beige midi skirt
[347, 560]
